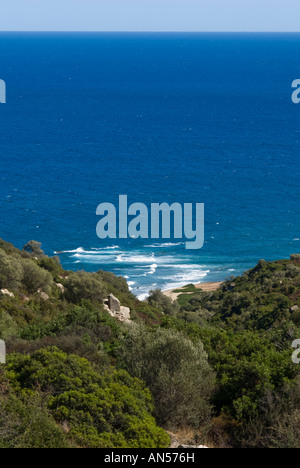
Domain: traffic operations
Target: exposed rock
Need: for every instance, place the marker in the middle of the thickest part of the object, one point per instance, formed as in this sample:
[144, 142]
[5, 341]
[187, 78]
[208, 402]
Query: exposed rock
[113, 306]
[61, 287]
[2, 352]
[7, 293]
[124, 315]
[294, 308]
[66, 427]
[24, 298]
[43, 295]
[174, 442]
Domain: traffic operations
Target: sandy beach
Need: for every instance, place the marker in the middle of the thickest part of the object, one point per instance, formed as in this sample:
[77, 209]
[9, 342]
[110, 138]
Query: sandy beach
[206, 287]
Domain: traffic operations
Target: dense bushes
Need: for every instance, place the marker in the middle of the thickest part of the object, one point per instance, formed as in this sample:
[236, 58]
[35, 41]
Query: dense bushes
[26, 423]
[260, 299]
[63, 384]
[17, 273]
[102, 409]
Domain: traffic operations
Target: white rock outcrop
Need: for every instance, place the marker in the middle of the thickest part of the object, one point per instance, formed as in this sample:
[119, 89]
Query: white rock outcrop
[5, 292]
[113, 306]
[61, 287]
[2, 352]
[43, 295]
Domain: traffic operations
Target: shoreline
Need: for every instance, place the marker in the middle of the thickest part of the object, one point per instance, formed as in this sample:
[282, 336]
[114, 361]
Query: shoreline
[205, 287]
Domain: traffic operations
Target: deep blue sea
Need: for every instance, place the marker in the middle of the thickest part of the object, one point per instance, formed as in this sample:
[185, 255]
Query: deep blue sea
[204, 118]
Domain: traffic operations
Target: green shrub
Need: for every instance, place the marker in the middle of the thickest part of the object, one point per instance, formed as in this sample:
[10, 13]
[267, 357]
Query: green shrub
[35, 278]
[117, 282]
[11, 271]
[175, 370]
[34, 249]
[52, 265]
[101, 408]
[84, 286]
[25, 423]
[8, 327]
[9, 248]
[295, 257]
[163, 303]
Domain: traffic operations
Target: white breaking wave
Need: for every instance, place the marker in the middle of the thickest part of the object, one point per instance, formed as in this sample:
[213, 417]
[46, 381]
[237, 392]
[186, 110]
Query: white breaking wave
[137, 258]
[93, 251]
[79, 250]
[130, 284]
[144, 270]
[164, 245]
[153, 269]
[184, 266]
[96, 259]
[143, 297]
[113, 247]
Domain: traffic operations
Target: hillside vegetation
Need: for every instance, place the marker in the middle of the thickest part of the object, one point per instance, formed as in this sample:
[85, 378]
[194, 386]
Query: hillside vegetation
[217, 363]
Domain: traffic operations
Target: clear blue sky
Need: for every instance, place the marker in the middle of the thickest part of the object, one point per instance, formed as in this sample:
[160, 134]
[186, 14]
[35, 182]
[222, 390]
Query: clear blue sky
[150, 15]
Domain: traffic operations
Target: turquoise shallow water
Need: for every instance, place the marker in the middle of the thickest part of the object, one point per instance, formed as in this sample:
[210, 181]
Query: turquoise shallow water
[186, 118]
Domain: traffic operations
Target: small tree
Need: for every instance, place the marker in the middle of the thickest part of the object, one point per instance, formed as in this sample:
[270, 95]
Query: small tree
[52, 265]
[163, 303]
[35, 278]
[34, 248]
[82, 285]
[11, 272]
[176, 371]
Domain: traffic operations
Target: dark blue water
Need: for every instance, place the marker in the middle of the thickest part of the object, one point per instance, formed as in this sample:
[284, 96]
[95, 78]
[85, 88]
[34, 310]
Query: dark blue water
[185, 118]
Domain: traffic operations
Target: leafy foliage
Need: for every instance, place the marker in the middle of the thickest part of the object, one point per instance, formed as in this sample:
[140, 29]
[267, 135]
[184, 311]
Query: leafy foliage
[163, 303]
[98, 407]
[11, 271]
[219, 362]
[83, 285]
[175, 370]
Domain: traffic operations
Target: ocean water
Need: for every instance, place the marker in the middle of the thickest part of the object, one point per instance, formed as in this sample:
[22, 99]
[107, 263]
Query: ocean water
[204, 118]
